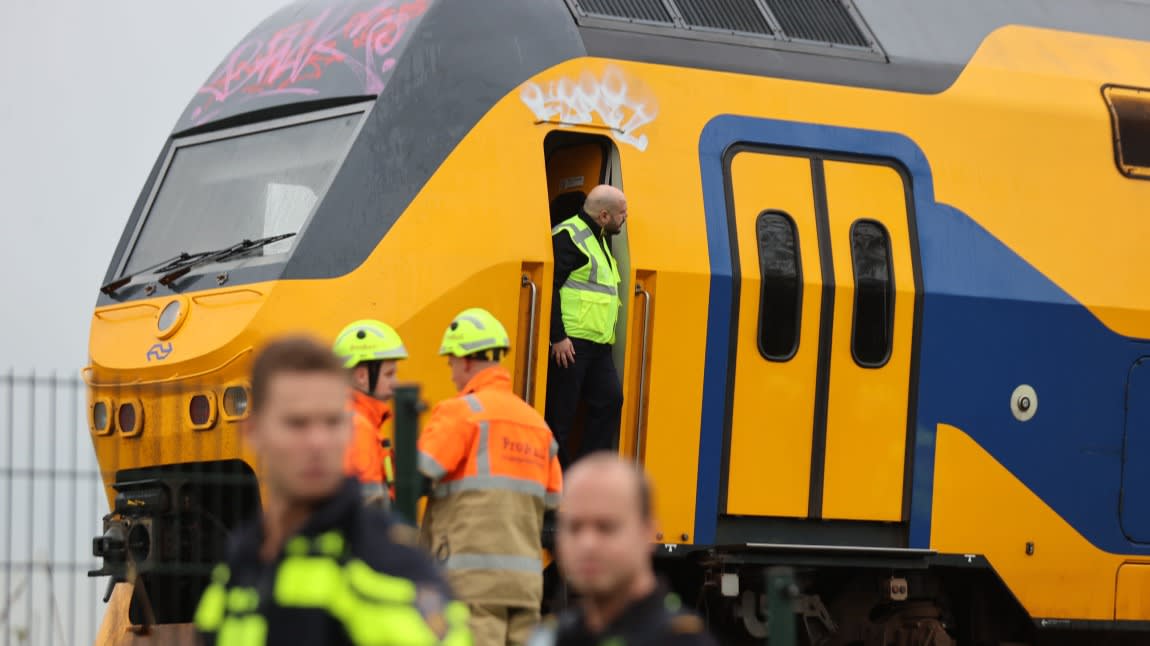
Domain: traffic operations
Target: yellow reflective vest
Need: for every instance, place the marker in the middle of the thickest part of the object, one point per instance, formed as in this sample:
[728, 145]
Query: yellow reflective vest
[589, 300]
[340, 581]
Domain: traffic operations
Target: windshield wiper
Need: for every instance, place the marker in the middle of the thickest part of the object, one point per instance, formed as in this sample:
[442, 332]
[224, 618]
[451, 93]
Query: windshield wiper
[164, 265]
[184, 261]
[221, 255]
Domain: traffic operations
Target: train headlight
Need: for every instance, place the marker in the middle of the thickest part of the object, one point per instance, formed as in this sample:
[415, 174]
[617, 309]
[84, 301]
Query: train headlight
[171, 318]
[202, 411]
[101, 422]
[130, 418]
[235, 402]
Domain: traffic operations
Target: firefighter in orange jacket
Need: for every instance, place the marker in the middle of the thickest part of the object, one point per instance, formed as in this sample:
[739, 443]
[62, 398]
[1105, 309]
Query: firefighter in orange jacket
[370, 350]
[494, 469]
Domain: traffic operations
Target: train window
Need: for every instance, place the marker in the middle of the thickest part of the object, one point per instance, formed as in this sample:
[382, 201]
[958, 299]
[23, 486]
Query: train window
[219, 191]
[780, 301]
[872, 335]
[1130, 120]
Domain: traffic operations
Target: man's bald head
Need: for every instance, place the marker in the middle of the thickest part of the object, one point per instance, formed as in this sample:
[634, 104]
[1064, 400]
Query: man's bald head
[604, 196]
[605, 526]
[607, 206]
[623, 476]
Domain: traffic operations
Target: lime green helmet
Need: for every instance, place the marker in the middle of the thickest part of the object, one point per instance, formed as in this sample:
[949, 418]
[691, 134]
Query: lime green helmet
[472, 331]
[368, 340]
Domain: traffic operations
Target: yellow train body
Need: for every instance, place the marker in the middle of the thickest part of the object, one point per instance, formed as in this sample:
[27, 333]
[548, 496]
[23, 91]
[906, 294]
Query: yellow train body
[1021, 143]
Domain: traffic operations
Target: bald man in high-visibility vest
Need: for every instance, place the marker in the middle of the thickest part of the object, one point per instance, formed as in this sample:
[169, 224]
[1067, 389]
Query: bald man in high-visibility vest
[584, 311]
[494, 469]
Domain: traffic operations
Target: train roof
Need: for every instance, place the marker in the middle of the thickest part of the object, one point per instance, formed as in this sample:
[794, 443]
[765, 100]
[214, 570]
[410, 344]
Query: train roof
[433, 68]
[315, 50]
[907, 45]
[948, 32]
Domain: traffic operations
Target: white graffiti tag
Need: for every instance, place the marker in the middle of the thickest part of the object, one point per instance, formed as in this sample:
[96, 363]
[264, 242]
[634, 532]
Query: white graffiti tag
[623, 107]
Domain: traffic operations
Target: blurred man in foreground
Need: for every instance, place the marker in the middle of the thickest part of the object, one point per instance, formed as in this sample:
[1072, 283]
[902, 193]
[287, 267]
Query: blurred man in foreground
[604, 551]
[318, 567]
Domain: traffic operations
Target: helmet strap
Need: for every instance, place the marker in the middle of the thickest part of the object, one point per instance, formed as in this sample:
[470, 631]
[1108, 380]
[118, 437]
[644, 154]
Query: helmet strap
[373, 368]
[496, 354]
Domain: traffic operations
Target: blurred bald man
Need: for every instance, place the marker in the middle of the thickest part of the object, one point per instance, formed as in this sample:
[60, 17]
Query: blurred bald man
[604, 552]
[584, 309]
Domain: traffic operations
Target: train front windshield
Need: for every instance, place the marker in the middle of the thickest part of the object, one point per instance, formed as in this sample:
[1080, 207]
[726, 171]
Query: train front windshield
[219, 191]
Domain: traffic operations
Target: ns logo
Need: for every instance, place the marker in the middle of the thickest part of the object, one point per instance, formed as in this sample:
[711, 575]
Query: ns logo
[159, 351]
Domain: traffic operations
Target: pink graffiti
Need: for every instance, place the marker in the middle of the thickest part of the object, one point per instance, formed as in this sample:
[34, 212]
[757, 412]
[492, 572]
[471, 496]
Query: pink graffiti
[287, 61]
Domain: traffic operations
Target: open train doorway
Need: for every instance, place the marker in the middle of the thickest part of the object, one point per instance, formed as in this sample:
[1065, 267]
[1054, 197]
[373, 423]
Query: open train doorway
[576, 163]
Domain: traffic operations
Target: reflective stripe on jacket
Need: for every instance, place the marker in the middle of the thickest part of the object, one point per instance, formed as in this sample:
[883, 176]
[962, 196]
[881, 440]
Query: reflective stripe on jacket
[589, 300]
[365, 455]
[495, 469]
[340, 581]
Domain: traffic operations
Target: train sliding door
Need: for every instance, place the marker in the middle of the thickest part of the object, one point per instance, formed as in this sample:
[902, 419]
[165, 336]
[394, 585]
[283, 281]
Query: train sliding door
[778, 338]
[866, 428]
[822, 367]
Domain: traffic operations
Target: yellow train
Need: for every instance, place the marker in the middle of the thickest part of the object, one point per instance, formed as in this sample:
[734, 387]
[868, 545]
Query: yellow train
[886, 263]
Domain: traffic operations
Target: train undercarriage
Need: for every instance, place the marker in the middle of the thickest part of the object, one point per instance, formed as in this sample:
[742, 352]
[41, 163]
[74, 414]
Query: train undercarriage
[849, 596]
[169, 526]
[853, 596]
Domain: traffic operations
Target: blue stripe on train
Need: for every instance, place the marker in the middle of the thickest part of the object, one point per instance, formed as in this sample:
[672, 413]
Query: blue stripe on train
[990, 321]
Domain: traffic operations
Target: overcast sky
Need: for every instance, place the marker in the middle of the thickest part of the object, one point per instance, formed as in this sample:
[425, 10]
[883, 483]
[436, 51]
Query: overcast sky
[88, 93]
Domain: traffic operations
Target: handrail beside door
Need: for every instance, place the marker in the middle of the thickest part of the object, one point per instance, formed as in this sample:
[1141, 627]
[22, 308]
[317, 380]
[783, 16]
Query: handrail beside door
[643, 347]
[529, 367]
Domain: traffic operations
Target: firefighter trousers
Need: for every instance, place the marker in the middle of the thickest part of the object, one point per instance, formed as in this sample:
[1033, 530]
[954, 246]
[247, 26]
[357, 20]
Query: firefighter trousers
[501, 625]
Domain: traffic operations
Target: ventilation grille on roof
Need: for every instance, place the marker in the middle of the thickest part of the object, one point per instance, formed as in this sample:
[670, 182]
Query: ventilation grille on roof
[826, 21]
[733, 15]
[653, 10]
[798, 24]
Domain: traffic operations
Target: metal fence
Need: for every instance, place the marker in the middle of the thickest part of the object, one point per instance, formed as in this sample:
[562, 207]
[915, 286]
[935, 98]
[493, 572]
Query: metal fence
[173, 510]
[51, 503]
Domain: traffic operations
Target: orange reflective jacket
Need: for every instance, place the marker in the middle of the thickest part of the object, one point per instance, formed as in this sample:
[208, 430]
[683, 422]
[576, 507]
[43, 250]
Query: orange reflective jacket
[365, 455]
[495, 467]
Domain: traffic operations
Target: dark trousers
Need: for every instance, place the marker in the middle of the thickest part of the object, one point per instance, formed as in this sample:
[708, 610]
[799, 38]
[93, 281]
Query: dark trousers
[592, 378]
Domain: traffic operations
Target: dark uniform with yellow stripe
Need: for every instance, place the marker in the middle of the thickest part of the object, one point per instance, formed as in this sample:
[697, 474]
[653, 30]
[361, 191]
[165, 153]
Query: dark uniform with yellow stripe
[340, 580]
[655, 620]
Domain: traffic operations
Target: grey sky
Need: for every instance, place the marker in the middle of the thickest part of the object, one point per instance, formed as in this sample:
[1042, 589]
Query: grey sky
[88, 93]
